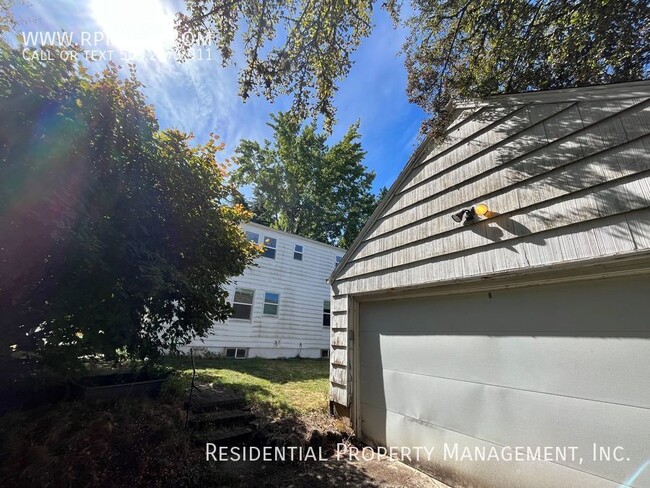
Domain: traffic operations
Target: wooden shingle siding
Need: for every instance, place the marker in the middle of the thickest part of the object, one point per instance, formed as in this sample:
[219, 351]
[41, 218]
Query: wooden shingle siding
[517, 162]
[339, 304]
[604, 184]
[582, 241]
[339, 351]
[581, 172]
[340, 337]
[339, 356]
[338, 394]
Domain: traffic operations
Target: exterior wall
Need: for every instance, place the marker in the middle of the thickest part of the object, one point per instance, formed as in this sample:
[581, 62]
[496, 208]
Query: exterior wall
[302, 285]
[566, 175]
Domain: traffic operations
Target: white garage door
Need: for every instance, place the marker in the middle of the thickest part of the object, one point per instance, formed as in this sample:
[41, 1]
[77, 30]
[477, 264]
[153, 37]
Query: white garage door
[487, 378]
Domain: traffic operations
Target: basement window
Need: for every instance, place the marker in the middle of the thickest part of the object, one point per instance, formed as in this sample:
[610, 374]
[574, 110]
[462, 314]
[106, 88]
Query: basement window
[271, 303]
[270, 245]
[326, 313]
[236, 352]
[324, 353]
[243, 303]
[297, 252]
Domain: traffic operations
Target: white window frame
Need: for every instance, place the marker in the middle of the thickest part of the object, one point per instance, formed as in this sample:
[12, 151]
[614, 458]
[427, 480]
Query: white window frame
[337, 260]
[274, 247]
[251, 304]
[298, 253]
[275, 304]
[324, 353]
[250, 234]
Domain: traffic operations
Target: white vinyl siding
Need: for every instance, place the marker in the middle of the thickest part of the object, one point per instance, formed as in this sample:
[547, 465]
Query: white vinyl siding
[301, 285]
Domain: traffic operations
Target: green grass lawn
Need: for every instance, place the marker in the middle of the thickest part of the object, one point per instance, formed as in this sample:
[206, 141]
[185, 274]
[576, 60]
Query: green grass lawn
[285, 386]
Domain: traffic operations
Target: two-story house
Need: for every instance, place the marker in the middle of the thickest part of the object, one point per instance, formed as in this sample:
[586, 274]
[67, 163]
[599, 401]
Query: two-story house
[282, 302]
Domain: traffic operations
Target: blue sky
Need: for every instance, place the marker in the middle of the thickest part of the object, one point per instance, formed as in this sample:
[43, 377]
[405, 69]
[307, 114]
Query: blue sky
[200, 96]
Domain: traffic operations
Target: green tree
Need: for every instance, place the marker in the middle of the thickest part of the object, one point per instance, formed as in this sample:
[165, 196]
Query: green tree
[463, 48]
[302, 185]
[113, 234]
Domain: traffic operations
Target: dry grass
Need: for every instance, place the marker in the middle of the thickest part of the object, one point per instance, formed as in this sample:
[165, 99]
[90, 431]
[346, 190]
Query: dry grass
[133, 442]
[136, 442]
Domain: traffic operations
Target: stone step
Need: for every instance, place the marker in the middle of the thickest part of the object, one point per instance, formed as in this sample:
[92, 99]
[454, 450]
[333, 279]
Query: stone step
[212, 398]
[206, 405]
[222, 437]
[222, 417]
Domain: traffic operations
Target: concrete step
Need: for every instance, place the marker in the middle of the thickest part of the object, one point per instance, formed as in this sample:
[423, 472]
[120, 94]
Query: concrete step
[221, 417]
[222, 437]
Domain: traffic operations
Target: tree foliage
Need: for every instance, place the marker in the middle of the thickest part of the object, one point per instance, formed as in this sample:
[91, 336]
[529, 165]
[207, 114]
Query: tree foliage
[463, 48]
[303, 186]
[481, 47]
[113, 234]
[318, 39]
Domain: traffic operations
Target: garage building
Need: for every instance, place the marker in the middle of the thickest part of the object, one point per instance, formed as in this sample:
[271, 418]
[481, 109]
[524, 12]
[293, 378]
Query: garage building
[499, 297]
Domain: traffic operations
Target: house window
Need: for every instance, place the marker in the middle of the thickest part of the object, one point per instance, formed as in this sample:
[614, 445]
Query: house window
[243, 303]
[297, 252]
[253, 236]
[324, 353]
[338, 260]
[270, 245]
[236, 352]
[326, 313]
[271, 301]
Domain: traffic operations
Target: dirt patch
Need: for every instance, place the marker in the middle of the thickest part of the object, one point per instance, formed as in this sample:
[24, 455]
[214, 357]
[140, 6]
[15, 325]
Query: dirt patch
[379, 472]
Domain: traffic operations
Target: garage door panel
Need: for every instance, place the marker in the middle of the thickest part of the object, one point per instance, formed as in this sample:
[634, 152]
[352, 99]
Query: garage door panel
[566, 310]
[607, 369]
[543, 368]
[511, 417]
[537, 474]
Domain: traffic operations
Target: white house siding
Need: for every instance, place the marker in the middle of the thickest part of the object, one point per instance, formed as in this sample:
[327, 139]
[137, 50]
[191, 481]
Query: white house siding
[302, 285]
[566, 173]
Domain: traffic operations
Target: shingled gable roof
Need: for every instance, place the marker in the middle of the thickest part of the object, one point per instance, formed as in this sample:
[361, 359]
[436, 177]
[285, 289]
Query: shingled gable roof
[638, 89]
